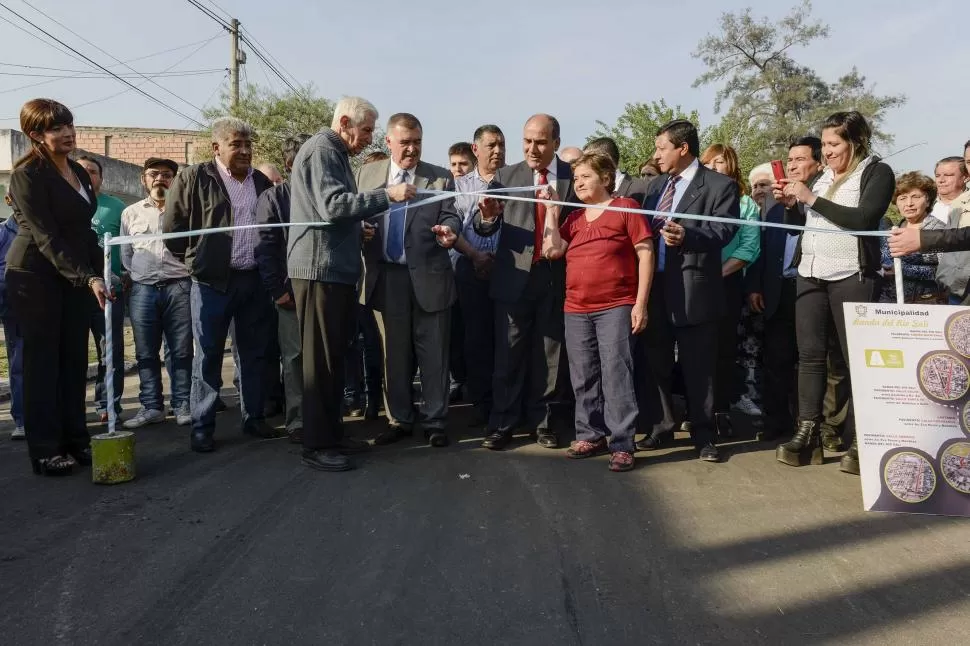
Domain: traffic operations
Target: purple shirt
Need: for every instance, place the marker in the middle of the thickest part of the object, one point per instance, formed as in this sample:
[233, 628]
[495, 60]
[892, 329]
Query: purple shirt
[243, 196]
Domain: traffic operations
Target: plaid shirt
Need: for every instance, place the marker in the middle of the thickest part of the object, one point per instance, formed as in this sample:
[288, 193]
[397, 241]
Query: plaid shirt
[242, 195]
[467, 207]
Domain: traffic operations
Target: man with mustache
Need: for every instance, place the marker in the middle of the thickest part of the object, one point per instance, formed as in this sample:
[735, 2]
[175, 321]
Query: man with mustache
[159, 302]
[226, 286]
[472, 258]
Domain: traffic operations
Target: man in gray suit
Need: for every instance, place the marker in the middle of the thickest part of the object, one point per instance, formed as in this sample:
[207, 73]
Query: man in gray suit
[410, 284]
[529, 291]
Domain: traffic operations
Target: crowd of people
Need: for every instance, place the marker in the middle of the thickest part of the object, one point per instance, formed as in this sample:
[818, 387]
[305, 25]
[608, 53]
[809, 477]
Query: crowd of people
[552, 304]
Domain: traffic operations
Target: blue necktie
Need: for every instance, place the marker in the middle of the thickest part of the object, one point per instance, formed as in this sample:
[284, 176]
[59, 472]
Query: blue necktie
[395, 224]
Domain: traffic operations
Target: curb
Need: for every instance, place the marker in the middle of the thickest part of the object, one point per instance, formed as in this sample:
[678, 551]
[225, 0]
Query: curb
[131, 367]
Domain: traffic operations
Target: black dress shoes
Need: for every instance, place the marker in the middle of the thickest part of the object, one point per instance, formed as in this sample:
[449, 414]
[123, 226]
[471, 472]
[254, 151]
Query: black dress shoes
[262, 430]
[497, 440]
[350, 446]
[327, 461]
[654, 442]
[437, 438]
[202, 442]
[547, 439]
[393, 434]
[709, 453]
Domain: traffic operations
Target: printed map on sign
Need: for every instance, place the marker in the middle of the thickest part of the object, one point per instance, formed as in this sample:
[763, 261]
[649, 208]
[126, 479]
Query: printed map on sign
[910, 371]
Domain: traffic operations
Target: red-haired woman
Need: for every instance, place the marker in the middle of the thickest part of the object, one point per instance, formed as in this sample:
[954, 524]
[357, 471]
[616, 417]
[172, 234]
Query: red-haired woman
[53, 267]
[609, 267]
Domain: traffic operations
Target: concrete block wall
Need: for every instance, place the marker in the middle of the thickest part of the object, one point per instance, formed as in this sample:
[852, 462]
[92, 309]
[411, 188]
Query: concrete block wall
[135, 145]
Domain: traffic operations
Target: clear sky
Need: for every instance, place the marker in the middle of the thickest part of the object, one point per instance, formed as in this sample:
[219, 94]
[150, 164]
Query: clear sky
[457, 65]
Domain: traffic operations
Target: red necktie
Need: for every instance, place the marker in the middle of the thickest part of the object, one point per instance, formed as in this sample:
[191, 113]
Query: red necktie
[540, 218]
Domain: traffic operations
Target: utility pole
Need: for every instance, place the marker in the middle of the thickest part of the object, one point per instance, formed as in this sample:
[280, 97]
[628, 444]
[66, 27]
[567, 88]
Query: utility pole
[238, 57]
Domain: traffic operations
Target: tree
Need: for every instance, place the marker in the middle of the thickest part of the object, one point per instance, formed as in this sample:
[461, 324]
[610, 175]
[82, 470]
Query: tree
[771, 97]
[636, 130]
[276, 117]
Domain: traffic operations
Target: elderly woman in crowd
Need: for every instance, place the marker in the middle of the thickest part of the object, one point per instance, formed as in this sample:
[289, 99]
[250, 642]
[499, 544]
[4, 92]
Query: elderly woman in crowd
[915, 196]
[738, 254]
[53, 268]
[609, 267]
[852, 194]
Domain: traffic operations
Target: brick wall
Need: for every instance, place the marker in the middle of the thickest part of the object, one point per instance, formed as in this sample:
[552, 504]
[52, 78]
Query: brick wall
[135, 145]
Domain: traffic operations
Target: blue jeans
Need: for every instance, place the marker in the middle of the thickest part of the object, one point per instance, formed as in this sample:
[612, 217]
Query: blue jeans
[15, 362]
[118, 348]
[245, 303]
[599, 347]
[155, 312]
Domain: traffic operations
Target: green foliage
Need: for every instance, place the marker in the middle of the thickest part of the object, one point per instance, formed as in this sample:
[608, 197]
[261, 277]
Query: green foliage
[770, 96]
[636, 130]
[276, 116]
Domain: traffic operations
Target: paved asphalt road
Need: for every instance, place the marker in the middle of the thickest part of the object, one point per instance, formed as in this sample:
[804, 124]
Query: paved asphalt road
[463, 546]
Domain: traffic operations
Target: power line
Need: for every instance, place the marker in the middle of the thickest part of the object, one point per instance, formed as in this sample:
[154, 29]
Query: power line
[98, 65]
[62, 69]
[225, 13]
[245, 39]
[210, 13]
[78, 74]
[36, 37]
[177, 63]
[63, 26]
[273, 58]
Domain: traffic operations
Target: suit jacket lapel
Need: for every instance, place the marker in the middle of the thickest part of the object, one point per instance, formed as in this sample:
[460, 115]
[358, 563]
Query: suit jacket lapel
[421, 181]
[564, 178]
[694, 190]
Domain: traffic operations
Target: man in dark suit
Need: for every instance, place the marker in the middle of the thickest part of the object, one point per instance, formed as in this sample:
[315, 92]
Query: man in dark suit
[409, 281]
[626, 186]
[529, 292]
[686, 301]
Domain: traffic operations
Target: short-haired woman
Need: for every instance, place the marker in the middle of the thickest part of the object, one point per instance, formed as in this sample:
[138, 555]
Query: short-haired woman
[852, 194]
[915, 196]
[609, 268]
[53, 267]
[738, 254]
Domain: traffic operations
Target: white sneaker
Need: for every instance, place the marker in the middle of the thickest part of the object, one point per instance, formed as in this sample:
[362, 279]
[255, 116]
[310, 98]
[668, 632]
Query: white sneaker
[748, 407]
[144, 417]
[18, 434]
[183, 416]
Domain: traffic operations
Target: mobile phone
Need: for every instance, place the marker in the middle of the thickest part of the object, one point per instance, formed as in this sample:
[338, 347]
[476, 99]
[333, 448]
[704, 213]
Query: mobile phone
[777, 169]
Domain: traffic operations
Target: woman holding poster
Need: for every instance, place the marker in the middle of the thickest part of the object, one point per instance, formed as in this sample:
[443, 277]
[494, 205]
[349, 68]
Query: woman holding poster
[834, 268]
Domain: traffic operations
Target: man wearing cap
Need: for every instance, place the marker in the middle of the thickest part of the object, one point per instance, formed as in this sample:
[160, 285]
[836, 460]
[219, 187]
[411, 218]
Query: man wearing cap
[159, 302]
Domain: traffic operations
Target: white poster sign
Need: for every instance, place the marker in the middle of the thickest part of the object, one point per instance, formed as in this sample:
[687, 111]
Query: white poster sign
[910, 372]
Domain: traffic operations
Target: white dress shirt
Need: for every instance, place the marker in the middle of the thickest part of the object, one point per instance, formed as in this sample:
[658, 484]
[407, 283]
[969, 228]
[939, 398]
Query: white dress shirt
[552, 176]
[393, 173]
[148, 261]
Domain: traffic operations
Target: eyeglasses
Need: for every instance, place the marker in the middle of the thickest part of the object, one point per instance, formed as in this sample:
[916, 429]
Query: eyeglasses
[159, 174]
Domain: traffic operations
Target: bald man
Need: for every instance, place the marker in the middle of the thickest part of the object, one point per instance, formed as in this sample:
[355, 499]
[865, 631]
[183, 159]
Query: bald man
[569, 154]
[528, 291]
[271, 172]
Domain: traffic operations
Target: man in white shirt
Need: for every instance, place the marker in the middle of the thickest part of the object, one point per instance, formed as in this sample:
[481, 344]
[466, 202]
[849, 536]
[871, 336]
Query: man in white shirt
[951, 182]
[159, 302]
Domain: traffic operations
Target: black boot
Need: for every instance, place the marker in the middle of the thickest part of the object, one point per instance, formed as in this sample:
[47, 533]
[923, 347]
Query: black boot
[850, 461]
[804, 448]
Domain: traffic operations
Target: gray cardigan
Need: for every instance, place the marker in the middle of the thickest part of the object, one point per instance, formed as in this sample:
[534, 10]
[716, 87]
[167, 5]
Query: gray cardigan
[323, 190]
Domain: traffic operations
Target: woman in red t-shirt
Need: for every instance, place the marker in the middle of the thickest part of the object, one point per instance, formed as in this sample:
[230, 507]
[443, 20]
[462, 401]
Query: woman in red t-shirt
[609, 266]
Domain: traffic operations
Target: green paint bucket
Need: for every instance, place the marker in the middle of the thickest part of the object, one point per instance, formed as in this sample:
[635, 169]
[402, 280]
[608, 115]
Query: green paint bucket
[113, 458]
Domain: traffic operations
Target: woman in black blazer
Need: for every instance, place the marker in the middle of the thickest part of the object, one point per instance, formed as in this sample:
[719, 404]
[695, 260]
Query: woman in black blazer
[53, 267]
